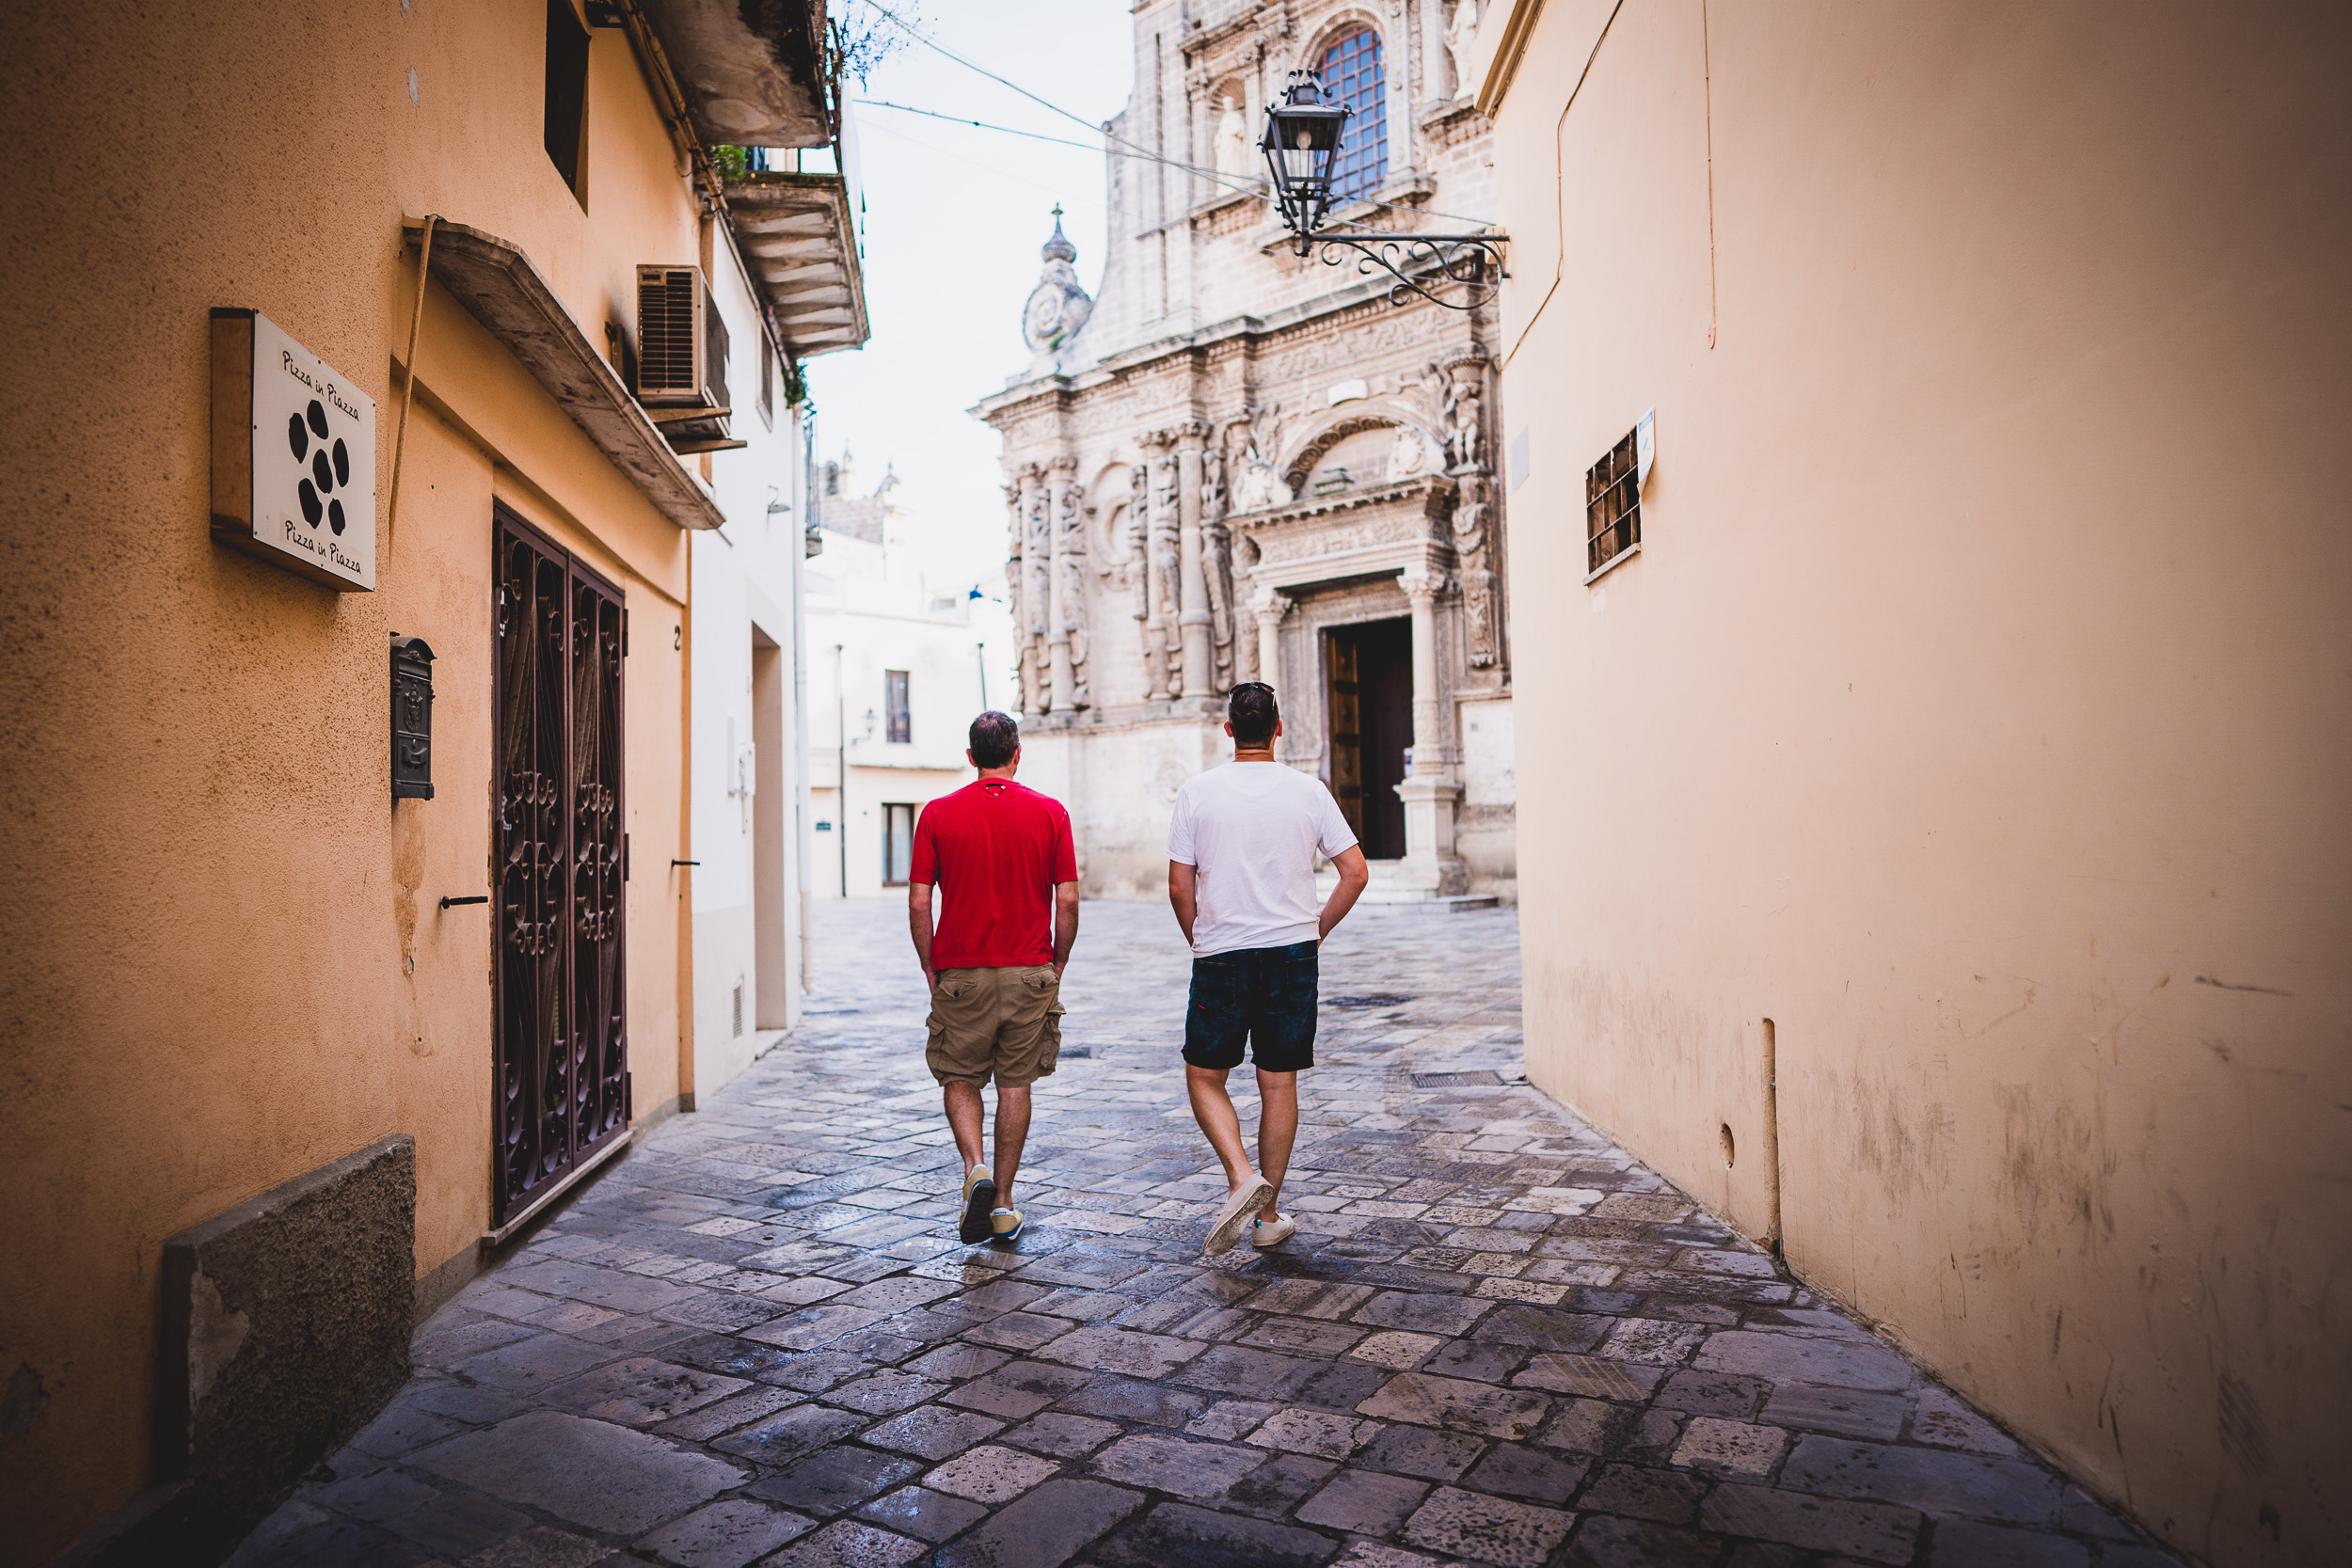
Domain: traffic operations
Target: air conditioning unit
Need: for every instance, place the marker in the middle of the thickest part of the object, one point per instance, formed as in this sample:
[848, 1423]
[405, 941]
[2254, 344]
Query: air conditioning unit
[681, 343]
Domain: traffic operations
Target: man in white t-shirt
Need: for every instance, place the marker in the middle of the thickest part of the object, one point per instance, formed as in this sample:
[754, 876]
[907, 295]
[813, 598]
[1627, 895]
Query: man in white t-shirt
[1241, 874]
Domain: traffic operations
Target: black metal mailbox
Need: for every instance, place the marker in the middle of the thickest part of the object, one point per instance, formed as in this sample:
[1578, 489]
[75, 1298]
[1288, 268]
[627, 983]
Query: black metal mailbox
[412, 719]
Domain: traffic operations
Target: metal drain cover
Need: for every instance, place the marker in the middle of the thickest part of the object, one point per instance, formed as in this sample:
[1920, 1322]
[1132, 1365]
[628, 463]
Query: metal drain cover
[1380, 999]
[1456, 1081]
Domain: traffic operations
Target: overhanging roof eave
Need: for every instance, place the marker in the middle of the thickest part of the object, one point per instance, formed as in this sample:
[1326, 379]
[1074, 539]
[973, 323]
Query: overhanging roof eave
[499, 287]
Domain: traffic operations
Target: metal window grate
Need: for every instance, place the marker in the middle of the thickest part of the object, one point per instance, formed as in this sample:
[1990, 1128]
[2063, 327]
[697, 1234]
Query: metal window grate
[1613, 505]
[1353, 74]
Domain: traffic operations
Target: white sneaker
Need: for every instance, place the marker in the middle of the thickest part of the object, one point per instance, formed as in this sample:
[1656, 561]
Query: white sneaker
[1262, 1234]
[1233, 1218]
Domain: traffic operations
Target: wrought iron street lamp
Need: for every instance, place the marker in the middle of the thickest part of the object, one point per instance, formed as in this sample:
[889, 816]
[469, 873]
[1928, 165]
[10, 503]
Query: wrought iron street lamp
[1302, 140]
[1301, 143]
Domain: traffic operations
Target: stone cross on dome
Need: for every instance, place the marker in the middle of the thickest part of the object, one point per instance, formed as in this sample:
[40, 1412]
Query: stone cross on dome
[1058, 248]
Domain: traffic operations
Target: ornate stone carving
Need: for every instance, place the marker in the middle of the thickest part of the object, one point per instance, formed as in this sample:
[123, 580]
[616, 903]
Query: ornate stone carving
[1465, 394]
[1471, 528]
[1409, 453]
[1058, 307]
[1260, 484]
[1163, 560]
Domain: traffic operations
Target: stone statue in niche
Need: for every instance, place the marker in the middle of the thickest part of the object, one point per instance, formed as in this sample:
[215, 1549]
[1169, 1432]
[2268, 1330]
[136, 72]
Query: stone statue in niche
[1461, 33]
[1465, 438]
[1232, 140]
[1408, 454]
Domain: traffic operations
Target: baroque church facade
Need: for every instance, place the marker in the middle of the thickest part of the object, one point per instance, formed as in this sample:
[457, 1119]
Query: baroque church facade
[1238, 464]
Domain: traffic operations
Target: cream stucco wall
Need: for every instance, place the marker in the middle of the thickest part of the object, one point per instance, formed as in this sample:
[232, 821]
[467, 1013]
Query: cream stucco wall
[226, 961]
[1976, 708]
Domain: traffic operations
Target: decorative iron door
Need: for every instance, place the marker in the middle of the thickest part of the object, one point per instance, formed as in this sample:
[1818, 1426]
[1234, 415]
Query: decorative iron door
[562, 1041]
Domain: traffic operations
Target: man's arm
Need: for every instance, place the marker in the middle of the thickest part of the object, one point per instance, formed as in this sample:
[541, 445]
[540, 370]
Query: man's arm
[1181, 881]
[1353, 877]
[1065, 923]
[919, 927]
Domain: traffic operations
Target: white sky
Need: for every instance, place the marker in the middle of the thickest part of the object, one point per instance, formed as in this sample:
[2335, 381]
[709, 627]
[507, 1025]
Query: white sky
[954, 218]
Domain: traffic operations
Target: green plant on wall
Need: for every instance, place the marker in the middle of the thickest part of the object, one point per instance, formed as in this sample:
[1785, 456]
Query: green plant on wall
[734, 161]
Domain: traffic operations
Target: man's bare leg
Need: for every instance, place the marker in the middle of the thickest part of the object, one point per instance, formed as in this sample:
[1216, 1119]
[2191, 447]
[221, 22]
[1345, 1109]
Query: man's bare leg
[1013, 1133]
[963, 1120]
[1212, 1108]
[1278, 1129]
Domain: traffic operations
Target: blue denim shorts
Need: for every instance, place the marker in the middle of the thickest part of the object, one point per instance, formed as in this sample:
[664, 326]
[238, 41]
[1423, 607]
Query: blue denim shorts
[1264, 995]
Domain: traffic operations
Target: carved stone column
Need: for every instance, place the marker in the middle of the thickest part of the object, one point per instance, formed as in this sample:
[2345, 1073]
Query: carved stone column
[1036, 592]
[1270, 607]
[1431, 794]
[1061, 505]
[1193, 617]
[1161, 564]
[1016, 575]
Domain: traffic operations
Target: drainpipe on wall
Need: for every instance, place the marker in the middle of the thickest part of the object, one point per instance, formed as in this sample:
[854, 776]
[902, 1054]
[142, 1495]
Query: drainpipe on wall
[804, 836]
[841, 771]
[682, 869]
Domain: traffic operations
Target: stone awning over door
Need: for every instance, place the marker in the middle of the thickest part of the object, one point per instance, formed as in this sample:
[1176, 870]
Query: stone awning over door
[1330, 540]
[499, 287]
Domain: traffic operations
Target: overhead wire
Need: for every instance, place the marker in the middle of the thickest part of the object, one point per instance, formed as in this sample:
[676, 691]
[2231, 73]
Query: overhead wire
[991, 168]
[1137, 150]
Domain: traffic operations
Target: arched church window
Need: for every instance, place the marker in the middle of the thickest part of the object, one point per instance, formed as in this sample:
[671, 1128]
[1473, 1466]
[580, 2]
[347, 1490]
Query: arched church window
[1352, 75]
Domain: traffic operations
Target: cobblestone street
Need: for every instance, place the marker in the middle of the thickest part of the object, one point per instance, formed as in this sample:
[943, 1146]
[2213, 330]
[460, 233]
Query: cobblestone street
[1496, 1338]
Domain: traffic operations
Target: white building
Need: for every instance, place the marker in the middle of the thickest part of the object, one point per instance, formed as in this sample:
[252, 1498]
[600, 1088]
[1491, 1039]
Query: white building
[903, 657]
[746, 655]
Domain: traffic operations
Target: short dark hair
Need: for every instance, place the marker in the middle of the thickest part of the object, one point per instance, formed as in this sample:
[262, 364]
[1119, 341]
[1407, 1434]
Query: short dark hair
[994, 739]
[1253, 713]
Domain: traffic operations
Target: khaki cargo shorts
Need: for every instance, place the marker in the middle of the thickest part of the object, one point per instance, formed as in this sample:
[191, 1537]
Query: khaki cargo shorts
[1000, 1021]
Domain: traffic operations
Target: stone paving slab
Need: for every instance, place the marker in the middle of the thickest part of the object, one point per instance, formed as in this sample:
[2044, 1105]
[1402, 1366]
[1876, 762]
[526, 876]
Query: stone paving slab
[1495, 1339]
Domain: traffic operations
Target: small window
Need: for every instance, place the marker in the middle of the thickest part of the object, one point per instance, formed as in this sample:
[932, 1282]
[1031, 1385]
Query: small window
[567, 96]
[897, 845]
[767, 381]
[1613, 505]
[1352, 74]
[902, 725]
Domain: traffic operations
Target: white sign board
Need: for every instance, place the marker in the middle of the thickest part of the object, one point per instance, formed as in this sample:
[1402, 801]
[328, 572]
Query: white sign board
[293, 455]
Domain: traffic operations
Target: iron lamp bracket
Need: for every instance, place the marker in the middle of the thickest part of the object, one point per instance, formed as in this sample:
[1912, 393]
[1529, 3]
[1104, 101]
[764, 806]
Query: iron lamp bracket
[1419, 263]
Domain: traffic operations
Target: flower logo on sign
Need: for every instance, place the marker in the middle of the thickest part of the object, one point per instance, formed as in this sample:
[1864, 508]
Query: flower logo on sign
[330, 466]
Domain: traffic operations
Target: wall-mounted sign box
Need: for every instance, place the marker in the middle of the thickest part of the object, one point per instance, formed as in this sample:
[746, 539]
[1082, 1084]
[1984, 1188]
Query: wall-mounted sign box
[293, 455]
[412, 719]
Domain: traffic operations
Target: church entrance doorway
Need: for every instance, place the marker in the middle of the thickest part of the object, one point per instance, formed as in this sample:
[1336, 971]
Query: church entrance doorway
[1369, 700]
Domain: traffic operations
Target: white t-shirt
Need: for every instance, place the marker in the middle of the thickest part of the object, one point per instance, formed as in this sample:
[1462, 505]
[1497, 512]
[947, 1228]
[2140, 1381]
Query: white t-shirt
[1252, 828]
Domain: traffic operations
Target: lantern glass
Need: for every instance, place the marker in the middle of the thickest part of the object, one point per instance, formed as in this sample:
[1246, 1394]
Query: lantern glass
[1302, 140]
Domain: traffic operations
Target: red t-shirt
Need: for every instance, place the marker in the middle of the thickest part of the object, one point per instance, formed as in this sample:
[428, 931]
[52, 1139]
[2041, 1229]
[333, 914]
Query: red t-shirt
[994, 849]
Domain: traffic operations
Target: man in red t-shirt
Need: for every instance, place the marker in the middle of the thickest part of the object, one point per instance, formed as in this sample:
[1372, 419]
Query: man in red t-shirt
[1003, 855]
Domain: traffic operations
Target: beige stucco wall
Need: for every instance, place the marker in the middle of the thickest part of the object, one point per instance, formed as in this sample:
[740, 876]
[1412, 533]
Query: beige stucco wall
[1976, 708]
[216, 907]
